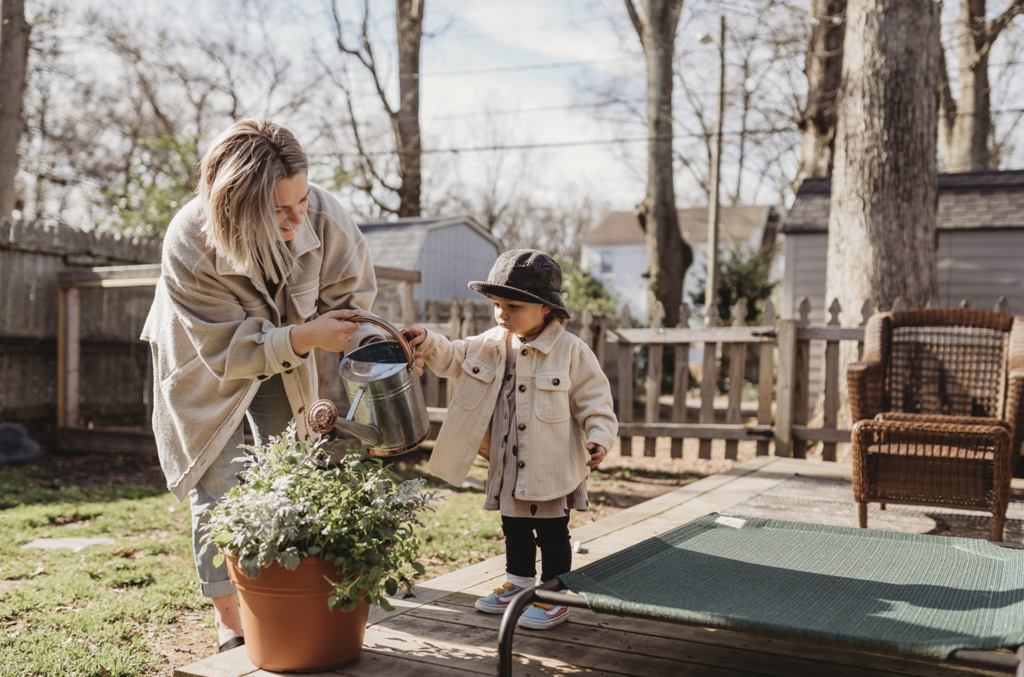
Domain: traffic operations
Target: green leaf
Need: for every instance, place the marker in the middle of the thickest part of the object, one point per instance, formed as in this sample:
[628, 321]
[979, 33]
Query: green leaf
[218, 559]
[419, 568]
[391, 586]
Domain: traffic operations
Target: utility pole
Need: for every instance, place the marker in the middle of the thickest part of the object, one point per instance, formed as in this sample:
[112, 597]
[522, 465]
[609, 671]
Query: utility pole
[711, 291]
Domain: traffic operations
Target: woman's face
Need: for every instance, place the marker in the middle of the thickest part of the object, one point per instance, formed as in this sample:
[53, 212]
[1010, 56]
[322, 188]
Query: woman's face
[522, 319]
[291, 200]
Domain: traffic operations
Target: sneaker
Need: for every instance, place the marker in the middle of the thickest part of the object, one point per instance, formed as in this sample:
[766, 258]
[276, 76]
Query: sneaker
[498, 601]
[540, 616]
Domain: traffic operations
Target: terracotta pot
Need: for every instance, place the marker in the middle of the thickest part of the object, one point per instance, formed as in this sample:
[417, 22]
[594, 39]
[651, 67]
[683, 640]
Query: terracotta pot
[288, 627]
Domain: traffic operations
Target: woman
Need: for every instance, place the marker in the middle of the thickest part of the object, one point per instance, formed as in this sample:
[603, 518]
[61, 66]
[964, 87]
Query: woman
[259, 269]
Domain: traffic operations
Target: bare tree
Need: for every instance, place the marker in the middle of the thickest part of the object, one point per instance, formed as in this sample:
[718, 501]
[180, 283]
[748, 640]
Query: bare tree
[823, 67]
[965, 122]
[668, 256]
[881, 240]
[374, 169]
[14, 45]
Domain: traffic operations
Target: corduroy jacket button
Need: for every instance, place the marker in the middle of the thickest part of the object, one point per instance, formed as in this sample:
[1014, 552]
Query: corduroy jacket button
[524, 351]
[522, 426]
[476, 370]
[287, 371]
[522, 389]
[284, 318]
[286, 364]
[302, 409]
[555, 382]
[522, 464]
[262, 377]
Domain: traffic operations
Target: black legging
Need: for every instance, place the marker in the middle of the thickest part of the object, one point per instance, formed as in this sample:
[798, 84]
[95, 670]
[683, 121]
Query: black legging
[521, 546]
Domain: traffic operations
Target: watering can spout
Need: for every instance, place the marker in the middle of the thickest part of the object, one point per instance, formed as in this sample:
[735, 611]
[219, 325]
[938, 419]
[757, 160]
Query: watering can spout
[323, 418]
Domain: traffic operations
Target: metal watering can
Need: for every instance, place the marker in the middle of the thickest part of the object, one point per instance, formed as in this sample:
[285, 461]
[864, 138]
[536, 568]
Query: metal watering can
[388, 411]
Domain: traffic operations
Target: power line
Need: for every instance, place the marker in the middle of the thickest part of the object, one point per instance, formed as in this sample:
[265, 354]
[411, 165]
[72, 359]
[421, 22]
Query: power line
[571, 144]
[527, 67]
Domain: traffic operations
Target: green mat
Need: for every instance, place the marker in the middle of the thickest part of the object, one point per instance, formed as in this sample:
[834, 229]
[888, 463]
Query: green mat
[908, 595]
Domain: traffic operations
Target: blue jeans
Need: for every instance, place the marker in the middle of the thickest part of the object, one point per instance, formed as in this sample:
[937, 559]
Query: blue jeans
[268, 415]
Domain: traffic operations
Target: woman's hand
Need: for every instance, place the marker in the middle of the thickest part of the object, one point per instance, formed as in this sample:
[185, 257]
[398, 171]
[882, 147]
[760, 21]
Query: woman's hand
[331, 331]
[597, 454]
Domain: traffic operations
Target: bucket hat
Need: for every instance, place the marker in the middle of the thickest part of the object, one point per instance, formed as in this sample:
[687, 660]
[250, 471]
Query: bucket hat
[525, 275]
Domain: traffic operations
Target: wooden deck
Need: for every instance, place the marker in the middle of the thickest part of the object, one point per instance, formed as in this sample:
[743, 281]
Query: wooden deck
[439, 633]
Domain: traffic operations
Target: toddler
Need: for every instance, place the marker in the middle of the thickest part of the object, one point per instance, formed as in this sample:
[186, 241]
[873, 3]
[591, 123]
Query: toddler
[532, 399]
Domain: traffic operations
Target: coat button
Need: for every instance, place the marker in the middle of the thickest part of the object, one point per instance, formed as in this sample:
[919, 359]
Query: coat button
[522, 464]
[555, 382]
[287, 371]
[524, 351]
[284, 318]
[262, 377]
[522, 389]
[522, 426]
[286, 364]
[476, 370]
[302, 409]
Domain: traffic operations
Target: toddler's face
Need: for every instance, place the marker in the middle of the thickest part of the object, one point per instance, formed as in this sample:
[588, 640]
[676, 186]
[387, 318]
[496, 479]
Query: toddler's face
[522, 319]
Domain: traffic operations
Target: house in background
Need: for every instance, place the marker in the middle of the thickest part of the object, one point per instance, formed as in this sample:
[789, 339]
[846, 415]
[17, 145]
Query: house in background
[448, 252]
[980, 246]
[616, 250]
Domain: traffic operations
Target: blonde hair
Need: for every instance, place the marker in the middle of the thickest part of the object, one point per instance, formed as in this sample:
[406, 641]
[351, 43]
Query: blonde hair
[237, 180]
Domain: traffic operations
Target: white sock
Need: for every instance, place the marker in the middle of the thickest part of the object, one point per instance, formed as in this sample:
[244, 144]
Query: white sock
[521, 581]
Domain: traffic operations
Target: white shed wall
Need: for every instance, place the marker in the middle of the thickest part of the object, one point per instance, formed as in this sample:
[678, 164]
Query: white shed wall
[984, 265]
[624, 281]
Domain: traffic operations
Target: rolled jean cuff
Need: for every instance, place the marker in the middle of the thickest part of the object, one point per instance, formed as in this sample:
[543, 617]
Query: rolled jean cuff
[218, 589]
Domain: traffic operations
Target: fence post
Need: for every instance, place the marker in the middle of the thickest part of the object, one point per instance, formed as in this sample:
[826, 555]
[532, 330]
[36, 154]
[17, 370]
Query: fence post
[1002, 305]
[867, 309]
[786, 377]
[72, 354]
[625, 358]
[655, 355]
[737, 364]
[707, 382]
[766, 378]
[680, 381]
[802, 382]
[828, 449]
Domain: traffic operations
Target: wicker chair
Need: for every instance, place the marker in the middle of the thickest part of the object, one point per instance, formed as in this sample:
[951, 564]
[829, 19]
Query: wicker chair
[936, 402]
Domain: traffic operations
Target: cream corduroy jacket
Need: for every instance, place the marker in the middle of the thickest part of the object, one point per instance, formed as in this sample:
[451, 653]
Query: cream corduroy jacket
[216, 334]
[563, 402]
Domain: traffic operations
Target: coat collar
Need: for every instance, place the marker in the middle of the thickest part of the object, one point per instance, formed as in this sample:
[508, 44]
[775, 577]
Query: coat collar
[547, 339]
[305, 241]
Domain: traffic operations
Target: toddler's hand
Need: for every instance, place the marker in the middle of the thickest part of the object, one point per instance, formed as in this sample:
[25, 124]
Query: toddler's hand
[597, 454]
[415, 336]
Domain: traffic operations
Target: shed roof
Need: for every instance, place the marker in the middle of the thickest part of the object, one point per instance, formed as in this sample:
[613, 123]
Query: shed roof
[400, 242]
[736, 224]
[969, 200]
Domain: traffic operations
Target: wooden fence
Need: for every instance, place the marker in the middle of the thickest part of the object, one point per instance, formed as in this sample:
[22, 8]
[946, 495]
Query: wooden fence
[774, 357]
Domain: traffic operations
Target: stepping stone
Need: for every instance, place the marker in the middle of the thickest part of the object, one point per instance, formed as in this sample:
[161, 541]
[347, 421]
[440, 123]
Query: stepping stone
[75, 544]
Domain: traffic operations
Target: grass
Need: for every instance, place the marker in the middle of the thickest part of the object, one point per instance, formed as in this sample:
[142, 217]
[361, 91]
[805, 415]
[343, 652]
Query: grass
[108, 610]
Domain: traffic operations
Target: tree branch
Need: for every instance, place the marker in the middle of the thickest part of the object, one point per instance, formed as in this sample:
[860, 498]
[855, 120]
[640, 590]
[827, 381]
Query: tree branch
[638, 23]
[996, 26]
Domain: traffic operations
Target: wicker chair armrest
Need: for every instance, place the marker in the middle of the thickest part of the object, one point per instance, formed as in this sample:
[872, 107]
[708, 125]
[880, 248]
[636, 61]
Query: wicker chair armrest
[930, 439]
[940, 418]
[1015, 411]
[864, 383]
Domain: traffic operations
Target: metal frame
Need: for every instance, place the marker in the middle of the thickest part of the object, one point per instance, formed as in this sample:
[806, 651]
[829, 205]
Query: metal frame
[545, 592]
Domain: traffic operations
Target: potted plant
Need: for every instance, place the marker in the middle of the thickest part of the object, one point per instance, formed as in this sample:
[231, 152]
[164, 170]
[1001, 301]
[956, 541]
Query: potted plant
[311, 544]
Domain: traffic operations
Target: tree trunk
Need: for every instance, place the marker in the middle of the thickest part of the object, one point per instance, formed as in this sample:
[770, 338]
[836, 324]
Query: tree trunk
[14, 43]
[881, 235]
[668, 256]
[409, 20]
[965, 129]
[823, 67]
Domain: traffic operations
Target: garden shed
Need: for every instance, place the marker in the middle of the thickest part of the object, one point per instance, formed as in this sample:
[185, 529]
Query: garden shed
[448, 252]
[980, 246]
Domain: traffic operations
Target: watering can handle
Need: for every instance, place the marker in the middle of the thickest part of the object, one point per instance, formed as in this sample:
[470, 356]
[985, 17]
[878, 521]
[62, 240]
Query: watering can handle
[406, 348]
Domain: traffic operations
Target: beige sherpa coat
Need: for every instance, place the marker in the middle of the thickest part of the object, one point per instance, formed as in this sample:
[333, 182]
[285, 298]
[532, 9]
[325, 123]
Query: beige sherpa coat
[563, 402]
[216, 334]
